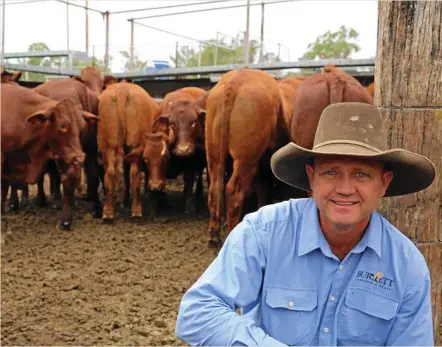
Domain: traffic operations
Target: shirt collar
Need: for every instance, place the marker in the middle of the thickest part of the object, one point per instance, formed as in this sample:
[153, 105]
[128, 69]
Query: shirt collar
[372, 237]
[311, 236]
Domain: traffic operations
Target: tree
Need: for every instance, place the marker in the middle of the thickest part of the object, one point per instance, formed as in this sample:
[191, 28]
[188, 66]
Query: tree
[339, 45]
[226, 53]
[270, 57]
[138, 64]
[47, 62]
[57, 62]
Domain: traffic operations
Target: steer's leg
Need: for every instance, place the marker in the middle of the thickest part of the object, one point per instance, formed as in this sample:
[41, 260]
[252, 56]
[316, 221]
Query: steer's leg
[127, 185]
[92, 179]
[199, 197]
[13, 199]
[189, 179]
[5, 189]
[41, 196]
[216, 188]
[25, 193]
[109, 182]
[55, 181]
[135, 180]
[69, 181]
[239, 185]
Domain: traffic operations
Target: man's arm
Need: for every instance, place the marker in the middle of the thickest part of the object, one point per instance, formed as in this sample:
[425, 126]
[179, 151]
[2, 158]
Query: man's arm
[207, 311]
[413, 324]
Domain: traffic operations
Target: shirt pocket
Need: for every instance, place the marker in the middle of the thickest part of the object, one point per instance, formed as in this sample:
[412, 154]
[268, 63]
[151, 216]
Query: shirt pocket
[365, 317]
[290, 315]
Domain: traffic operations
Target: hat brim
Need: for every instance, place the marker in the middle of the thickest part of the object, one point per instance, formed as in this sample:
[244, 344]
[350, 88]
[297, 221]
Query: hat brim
[412, 172]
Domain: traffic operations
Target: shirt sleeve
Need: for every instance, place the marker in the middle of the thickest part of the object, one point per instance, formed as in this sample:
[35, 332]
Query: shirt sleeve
[413, 325]
[207, 311]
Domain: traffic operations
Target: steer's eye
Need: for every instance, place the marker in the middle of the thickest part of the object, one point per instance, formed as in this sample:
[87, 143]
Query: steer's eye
[63, 129]
[193, 125]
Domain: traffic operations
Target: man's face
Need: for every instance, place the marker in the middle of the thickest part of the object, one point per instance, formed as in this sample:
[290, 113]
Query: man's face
[347, 190]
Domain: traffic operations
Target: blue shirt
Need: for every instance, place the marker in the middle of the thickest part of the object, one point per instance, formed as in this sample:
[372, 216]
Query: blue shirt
[277, 266]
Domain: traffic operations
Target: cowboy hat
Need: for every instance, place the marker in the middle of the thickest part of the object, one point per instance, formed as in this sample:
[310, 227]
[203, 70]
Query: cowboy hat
[354, 129]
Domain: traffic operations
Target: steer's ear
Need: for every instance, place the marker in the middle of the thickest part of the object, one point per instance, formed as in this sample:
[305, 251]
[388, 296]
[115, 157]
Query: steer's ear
[134, 156]
[39, 118]
[160, 120]
[201, 114]
[78, 78]
[89, 117]
[17, 76]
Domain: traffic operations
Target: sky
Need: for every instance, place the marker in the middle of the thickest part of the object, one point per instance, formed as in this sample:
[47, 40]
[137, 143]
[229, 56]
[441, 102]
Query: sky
[292, 24]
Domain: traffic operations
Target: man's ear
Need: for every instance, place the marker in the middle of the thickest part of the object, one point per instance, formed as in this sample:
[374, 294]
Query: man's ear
[387, 177]
[309, 170]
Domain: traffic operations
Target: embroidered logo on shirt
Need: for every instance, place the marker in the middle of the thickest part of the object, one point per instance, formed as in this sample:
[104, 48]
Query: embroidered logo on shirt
[378, 276]
[375, 279]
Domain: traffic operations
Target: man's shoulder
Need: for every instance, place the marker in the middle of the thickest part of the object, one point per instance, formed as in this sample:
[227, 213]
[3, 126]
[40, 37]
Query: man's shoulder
[398, 242]
[288, 210]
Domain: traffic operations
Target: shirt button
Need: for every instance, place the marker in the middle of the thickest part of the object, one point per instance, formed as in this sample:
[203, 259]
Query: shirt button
[341, 267]
[326, 330]
[291, 304]
[332, 298]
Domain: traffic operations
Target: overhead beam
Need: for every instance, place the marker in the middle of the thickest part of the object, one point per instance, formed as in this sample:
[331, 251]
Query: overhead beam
[42, 54]
[264, 66]
[203, 69]
[41, 69]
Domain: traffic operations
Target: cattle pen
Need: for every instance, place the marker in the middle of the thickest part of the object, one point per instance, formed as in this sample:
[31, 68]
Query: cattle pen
[121, 283]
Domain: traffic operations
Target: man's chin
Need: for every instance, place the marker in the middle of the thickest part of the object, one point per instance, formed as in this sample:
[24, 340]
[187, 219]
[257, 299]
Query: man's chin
[344, 222]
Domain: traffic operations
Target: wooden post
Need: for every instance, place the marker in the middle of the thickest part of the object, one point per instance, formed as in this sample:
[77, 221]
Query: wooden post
[106, 54]
[246, 36]
[87, 27]
[408, 91]
[131, 68]
[261, 45]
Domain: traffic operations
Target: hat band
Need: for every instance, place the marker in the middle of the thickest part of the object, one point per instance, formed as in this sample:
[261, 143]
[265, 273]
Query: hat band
[347, 142]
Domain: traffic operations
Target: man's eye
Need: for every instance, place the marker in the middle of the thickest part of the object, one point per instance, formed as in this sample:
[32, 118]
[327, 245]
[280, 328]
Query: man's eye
[331, 173]
[361, 175]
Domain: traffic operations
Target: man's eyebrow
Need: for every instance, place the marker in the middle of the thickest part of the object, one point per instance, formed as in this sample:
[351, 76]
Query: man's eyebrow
[329, 167]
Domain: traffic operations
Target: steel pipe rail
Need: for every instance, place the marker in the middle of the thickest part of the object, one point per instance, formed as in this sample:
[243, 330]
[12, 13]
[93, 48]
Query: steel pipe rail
[203, 69]
[41, 69]
[43, 54]
[264, 66]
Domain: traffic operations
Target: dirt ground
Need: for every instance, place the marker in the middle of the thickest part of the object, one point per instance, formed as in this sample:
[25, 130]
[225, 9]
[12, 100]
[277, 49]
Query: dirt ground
[98, 284]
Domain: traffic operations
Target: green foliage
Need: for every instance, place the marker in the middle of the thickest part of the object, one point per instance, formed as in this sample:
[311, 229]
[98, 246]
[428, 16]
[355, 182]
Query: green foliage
[98, 63]
[334, 45]
[37, 47]
[56, 62]
[226, 53]
[138, 64]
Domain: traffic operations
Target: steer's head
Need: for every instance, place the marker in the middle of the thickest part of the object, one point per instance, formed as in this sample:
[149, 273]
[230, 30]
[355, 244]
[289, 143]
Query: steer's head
[9, 77]
[185, 123]
[60, 126]
[155, 155]
[92, 78]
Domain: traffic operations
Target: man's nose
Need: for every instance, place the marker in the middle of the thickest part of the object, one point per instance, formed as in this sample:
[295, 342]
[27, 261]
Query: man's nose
[345, 185]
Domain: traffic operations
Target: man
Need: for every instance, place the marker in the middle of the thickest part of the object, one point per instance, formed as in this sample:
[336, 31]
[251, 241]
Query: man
[327, 270]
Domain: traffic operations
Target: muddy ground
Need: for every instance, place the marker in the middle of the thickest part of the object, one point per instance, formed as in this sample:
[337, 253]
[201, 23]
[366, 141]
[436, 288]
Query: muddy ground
[98, 284]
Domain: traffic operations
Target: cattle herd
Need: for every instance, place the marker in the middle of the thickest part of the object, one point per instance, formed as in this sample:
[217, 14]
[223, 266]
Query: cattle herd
[115, 132]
